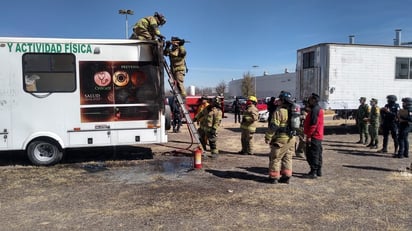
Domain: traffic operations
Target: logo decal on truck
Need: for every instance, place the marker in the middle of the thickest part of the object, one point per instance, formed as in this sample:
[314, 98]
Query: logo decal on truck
[117, 91]
[78, 48]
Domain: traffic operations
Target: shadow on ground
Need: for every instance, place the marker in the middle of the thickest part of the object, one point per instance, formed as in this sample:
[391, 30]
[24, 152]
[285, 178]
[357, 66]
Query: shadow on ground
[84, 155]
[359, 153]
[370, 168]
[250, 173]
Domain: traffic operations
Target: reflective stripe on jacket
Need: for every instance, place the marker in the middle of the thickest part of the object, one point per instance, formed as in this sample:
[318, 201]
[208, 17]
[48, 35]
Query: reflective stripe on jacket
[250, 118]
[278, 123]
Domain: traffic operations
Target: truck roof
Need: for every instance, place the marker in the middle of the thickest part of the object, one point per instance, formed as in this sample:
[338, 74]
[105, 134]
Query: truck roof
[359, 45]
[73, 40]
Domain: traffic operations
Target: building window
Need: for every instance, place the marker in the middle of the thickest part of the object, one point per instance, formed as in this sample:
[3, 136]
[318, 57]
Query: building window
[309, 60]
[403, 68]
[49, 72]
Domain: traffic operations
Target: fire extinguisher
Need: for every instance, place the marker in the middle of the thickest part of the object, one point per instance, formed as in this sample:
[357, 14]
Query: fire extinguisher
[198, 158]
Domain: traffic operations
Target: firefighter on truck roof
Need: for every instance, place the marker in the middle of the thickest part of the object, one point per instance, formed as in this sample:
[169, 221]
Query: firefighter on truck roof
[147, 28]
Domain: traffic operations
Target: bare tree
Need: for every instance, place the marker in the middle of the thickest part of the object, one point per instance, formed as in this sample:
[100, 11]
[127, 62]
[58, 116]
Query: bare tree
[248, 86]
[220, 88]
[207, 91]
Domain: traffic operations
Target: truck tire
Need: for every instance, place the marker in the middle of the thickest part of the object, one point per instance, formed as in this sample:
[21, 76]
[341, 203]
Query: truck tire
[44, 152]
[168, 118]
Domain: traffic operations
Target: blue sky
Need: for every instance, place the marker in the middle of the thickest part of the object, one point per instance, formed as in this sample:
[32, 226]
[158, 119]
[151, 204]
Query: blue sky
[228, 37]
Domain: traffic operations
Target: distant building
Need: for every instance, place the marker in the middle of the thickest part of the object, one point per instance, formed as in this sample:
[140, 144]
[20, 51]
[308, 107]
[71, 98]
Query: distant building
[266, 85]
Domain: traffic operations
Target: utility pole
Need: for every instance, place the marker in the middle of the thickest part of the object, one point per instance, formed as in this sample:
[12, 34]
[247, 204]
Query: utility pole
[126, 12]
[255, 66]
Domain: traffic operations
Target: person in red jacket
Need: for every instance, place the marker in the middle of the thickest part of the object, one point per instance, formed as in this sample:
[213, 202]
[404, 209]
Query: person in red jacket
[313, 129]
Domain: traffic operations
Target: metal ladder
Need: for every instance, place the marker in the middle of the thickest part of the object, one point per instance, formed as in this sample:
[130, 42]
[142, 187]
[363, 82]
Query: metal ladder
[182, 106]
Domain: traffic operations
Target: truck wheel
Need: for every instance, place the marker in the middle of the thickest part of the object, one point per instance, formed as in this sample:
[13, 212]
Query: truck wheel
[168, 118]
[42, 152]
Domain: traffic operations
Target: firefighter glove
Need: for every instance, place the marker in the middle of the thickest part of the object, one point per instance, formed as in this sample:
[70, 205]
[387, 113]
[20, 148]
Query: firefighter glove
[213, 132]
[161, 37]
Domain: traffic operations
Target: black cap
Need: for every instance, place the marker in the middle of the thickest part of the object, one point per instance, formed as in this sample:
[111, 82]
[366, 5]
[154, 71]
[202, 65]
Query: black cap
[315, 97]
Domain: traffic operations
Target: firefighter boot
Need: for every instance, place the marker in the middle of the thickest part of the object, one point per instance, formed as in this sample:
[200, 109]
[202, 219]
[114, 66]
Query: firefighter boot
[319, 172]
[375, 145]
[215, 153]
[366, 140]
[284, 179]
[383, 150]
[312, 174]
[272, 180]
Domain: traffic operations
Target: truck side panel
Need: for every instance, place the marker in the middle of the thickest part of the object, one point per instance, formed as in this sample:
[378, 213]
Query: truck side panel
[128, 110]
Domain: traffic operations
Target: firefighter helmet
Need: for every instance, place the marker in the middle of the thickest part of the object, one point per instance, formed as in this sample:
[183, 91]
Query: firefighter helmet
[285, 96]
[160, 17]
[215, 102]
[252, 98]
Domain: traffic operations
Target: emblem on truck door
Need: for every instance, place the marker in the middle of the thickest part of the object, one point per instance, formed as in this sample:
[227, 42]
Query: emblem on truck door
[121, 78]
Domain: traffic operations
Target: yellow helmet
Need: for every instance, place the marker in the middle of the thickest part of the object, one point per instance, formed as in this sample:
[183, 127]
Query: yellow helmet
[252, 98]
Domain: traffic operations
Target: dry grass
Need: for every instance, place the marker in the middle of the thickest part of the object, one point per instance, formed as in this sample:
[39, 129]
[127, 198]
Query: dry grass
[359, 191]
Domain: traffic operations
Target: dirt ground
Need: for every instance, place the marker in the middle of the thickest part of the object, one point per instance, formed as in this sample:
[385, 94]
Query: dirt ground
[155, 187]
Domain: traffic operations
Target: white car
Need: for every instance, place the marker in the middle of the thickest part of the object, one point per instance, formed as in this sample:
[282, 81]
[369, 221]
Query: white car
[263, 116]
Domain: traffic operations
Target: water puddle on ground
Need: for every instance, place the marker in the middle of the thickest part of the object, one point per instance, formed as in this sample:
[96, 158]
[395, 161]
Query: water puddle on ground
[174, 168]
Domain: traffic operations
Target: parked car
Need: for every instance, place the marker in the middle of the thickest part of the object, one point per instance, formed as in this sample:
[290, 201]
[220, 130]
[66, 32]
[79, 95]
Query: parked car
[261, 104]
[263, 116]
[229, 105]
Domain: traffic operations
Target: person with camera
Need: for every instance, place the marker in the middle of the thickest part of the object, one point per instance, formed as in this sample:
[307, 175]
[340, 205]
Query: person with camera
[177, 56]
[147, 28]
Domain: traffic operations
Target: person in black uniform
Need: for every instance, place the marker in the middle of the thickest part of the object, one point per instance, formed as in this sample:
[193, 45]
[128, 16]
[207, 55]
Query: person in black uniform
[236, 109]
[271, 108]
[390, 123]
[177, 116]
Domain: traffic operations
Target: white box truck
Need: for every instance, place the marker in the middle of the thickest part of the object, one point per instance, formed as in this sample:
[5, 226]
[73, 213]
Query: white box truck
[57, 94]
[342, 73]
